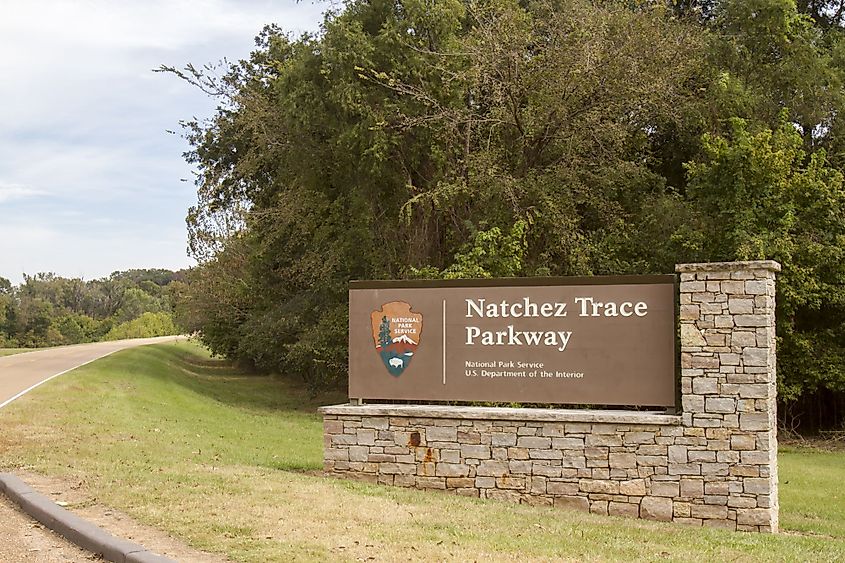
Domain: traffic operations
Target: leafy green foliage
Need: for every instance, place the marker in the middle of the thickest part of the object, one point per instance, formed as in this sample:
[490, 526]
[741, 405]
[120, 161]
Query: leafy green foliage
[764, 197]
[494, 138]
[48, 310]
[145, 326]
[489, 254]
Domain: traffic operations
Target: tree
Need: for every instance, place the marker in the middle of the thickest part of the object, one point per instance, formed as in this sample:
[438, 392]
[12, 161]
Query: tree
[764, 197]
[384, 333]
[47, 309]
[478, 138]
[463, 138]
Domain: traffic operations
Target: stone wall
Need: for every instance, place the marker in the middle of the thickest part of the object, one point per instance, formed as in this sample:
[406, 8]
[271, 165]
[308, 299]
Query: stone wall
[714, 464]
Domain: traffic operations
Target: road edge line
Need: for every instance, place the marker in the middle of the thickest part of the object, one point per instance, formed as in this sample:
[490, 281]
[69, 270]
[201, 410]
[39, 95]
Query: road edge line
[25, 391]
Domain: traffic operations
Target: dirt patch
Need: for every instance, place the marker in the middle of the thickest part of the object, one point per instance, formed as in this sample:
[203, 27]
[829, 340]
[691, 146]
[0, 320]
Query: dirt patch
[74, 497]
[822, 443]
[24, 539]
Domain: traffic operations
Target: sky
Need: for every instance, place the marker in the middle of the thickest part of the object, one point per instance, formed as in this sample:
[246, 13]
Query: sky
[91, 181]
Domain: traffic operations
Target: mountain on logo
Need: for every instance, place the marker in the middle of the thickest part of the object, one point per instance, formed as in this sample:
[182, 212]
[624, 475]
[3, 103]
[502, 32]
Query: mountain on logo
[404, 339]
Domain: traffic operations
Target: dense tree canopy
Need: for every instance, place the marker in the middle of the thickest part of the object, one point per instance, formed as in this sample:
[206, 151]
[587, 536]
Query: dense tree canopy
[48, 310]
[476, 138]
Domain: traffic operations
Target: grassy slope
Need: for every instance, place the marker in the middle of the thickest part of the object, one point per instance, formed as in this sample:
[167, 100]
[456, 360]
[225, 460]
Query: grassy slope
[230, 462]
[10, 351]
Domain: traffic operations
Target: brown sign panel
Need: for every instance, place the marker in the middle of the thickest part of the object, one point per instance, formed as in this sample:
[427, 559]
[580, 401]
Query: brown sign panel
[597, 340]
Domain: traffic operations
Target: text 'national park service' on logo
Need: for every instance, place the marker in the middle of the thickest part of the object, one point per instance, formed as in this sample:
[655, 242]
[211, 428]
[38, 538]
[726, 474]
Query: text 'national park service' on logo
[396, 332]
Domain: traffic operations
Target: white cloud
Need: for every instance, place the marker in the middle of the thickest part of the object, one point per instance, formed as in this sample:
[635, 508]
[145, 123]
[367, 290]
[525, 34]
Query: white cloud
[149, 24]
[89, 179]
[87, 253]
[9, 192]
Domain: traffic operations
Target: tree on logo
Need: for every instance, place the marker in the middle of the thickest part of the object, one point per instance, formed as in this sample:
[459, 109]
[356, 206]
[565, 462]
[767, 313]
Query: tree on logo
[384, 333]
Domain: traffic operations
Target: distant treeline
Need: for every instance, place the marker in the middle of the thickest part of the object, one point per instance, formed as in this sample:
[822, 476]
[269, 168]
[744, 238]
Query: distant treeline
[490, 138]
[48, 310]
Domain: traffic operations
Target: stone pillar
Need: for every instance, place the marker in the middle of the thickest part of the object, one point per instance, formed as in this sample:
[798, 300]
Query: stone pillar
[728, 383]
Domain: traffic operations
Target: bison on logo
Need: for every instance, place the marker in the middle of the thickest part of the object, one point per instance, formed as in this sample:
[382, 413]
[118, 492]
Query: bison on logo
[396, 332]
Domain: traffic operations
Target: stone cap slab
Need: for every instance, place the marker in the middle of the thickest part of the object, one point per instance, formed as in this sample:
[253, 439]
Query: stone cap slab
[504, 413]
[729, 266]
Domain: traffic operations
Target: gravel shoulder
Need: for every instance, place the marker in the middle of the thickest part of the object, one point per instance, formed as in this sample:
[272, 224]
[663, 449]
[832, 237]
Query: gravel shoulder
[30, 541]
[24, 539]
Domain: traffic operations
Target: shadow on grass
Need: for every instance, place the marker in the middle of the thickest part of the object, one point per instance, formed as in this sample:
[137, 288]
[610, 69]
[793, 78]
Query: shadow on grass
[219, 380]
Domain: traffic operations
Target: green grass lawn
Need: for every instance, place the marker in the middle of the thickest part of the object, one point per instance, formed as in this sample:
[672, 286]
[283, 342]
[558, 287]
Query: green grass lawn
[10, 351]
[812, 491]
[231, 462]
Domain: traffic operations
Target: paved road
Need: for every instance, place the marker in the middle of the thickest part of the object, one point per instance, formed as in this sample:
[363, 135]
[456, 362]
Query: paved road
[21, 373]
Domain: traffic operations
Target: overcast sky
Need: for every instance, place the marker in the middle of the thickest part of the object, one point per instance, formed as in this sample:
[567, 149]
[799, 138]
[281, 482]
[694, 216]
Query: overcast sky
[90, 180]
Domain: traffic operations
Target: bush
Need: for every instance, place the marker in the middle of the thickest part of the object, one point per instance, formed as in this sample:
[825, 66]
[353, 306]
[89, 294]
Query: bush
[146, 326]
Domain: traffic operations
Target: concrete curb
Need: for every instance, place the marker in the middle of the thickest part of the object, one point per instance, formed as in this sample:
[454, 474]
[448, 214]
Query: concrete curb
[81, 532]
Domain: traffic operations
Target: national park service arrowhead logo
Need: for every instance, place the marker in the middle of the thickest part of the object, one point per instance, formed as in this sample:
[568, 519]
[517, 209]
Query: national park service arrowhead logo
[396, 332]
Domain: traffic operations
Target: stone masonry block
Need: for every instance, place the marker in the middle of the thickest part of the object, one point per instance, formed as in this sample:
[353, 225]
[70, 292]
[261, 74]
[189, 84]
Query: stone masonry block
[692, 488]
[693, 287]
[633, 488]
[441, 434]
[689, 312]
[754, 391]
[366, 436]
[738, 306]
[692, 403]
[332, 427]
[513, 483]
[492, 469]
[568, 443]
[451, 470]
[743, 442]
[665, 489]
[573, 503]
[699, 455]
[705, 362]
[709, 511]
[720, 405]
[628, 509]
[729, 359]
[599, 486]
[715, 338]
[705, 385]
[378, 423]
[755, 287]
[754, 421]
[755, 458]
[562, 488]
[358, 453]
[724, 321]
[757, 486]
[623, 460]
[535, 442]
[691, 336]
[751, 320]
[636, 438]
[475, 452]
[678, 454]
[753, 517]
[656, 508]
[739, 338]
[755, 356]
[503, 439]
[598, 440]
[734, 287]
